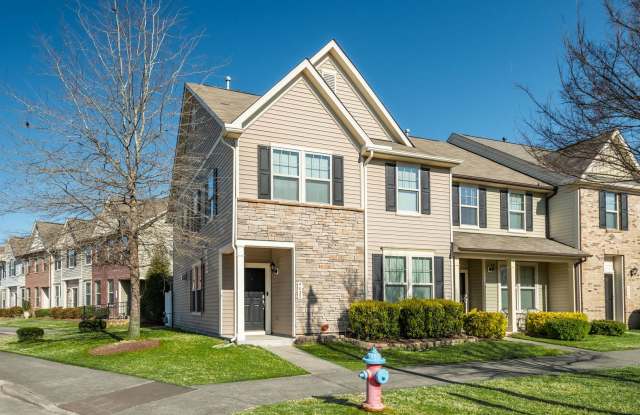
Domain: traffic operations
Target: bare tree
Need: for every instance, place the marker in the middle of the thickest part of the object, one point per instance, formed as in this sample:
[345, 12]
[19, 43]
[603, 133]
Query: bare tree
[600, 94]
[99, 147]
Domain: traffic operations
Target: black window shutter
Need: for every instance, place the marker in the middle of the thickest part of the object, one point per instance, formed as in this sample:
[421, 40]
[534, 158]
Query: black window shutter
[338, 180]
[378, 285]
[438, 269]
[390, 186]
[603, 209]
[425, 196]
[191, 292]
[504, 209]
[207, 204]
[199, 212]
[264, 172]
[529, 211]
[216, 181]
[203, 269]
[624, 211]
[482, 205]
[455, 205]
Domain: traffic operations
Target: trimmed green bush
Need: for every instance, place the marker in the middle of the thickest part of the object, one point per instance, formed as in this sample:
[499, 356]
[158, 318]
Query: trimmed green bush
[485, 324]
[86, 326]
[43, 312]
[608, 328]
[567, 328]
[11, 312]
[29, 333]
[374, 320]
[536, 321]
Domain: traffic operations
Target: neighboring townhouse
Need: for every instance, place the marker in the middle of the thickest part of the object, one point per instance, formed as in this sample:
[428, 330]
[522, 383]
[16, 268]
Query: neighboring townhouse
[37, 261]
[307, 198]
[13, 286]
[72, 265]
[587, 212]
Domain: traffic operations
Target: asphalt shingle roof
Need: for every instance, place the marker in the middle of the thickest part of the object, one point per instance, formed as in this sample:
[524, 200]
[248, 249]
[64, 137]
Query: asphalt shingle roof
[226, 103]
[521, 245]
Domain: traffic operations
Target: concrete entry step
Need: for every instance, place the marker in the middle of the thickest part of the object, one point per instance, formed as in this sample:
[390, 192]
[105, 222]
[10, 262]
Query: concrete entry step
[267, 340]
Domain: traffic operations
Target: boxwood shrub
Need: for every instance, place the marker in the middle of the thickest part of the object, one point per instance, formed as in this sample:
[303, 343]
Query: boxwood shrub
[43, 312]
[69, 313]
[536, 322]
[86, 326]
[374, 320]
[29, 333]
[11, 312]
[488, 325]
[567, 328]
[608, 328]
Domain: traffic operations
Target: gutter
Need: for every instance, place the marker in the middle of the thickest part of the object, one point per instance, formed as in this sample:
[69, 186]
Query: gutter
[420, 156]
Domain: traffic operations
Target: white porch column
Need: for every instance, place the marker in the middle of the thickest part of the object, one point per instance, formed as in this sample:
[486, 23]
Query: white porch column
[239, 292]
[512, 324]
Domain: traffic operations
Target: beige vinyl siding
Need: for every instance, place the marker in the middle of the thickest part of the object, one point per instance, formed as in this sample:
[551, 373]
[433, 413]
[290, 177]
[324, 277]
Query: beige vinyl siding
[564, 216]
[355, 103]
[560, 290]
[411, 232]
[493, 217]
[281, 294]
[298, 119]
[228, 298]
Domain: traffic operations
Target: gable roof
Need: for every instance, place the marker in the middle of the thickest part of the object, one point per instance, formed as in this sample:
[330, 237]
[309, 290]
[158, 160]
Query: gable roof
[227, 104]
[49, 232]
[20, 245]
[475, 167]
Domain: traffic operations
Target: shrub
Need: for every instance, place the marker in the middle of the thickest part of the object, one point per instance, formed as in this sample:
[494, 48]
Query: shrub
[421, 319]
[11, 312]
[56, 312]
[374, 320]
[607, 328]
[43, 312]
[29, 333]
[412, 319]
[567, 328]
[485, 324]
[86, 326]
[536, 322]
[156, 282]
[70, 312]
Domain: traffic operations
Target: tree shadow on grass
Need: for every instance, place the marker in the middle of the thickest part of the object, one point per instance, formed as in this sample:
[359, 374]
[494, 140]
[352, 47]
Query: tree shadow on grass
[333, 400]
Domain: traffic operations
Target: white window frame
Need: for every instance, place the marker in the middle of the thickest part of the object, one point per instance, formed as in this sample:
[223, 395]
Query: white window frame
[57, 262]
[111, 292]
[419, 206]
[302, 174]
[616, 211]
[535, 287]
[12, 267]
[75, 258]
[212, 190]
[97, 292]
[57, 290]
[88, 253]
[476, 207]
[523, 211]
[408, 277]
[501, 287]
[87, 292]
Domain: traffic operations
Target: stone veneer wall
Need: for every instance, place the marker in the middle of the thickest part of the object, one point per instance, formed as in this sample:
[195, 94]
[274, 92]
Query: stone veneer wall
[329, 247]
[600, 242]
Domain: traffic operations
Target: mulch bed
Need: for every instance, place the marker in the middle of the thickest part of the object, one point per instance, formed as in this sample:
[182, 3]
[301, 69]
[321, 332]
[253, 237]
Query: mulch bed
[124, 346]
[405, 344]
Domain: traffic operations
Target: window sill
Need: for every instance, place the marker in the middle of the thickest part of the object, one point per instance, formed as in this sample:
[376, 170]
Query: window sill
[407, 213]
[196, 313]
[461, 226]
[298, 204]
[517, 230]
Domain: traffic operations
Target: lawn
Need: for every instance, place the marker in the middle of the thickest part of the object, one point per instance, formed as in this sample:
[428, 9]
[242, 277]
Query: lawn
[629, 340]
[45, 323]
[604, 392]
[182, 358]
[350, 356]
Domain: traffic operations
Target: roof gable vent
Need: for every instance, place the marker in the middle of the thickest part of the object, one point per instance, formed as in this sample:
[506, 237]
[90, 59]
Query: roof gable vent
[330, 78]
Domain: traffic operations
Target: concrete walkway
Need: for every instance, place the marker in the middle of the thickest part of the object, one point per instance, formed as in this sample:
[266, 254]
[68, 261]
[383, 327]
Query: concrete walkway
[87, 391]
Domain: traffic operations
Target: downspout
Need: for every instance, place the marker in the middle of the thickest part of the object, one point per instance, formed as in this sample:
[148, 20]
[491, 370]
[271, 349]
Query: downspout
[233, 236]
[364, 195]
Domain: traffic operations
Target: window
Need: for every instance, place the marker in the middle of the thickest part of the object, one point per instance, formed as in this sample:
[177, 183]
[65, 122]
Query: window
[527, 281]
[395, 278]
[504, 289]
[197, 283]
[87, 293]
[57, 262]
[286, 174]
[37, 264]
[212, 193]
[317, 178]
[469, 205]
[37, 295]
[12, 268]
[516, 211]
[97, 292]
[421, 277]
[110, 292]
[57, 295]
[71, 258]
[408, 189]
[88, 256]
[611, 205]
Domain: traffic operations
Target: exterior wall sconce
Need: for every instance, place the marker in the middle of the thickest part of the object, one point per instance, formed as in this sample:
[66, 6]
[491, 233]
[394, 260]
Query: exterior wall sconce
[274, 269]
[491, 267]
[634, 272]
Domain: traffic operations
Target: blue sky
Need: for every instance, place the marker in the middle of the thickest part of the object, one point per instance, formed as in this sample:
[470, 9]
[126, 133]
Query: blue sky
[438, 66]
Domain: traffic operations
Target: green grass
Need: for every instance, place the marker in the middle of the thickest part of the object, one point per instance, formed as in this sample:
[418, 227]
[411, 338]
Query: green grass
[629, 340]
[45, 323]
[603, 392]
[182, 358]
[350, 356]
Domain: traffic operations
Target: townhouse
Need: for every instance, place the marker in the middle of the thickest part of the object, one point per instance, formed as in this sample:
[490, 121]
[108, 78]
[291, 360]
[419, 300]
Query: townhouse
[12, 286]
[37, 261]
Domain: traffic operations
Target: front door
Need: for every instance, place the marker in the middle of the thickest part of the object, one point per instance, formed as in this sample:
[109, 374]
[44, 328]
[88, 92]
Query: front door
[254, 299]
[463, 290]
[609, 297]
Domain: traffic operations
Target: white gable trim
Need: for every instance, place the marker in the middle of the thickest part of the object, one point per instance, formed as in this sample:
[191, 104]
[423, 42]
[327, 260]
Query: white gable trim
[334, 49]
[616, 135]
[305, 68]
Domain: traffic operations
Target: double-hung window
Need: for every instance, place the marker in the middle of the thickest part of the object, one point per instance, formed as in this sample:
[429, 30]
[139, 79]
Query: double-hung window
[527, 287]
[212, 193]
[12, 268]
[197, 292]
[110, 292]
[37, 296]
[286, 174]
[58, 262]
[504, 289]
[97, 292]
[317, 178]
[37, 261]
[516, 211]
[395, 278]
[87, 293]
[421, 277]
[407, 276]
[87, 256]
[71, 258]
[57, 296]
[611, 204]
[408, 188]
[468, 205]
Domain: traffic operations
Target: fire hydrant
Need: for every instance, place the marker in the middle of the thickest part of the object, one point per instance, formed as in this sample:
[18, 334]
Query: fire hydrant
[375, 376]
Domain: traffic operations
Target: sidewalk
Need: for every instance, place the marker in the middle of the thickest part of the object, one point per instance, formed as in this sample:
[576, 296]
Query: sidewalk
[88, 391]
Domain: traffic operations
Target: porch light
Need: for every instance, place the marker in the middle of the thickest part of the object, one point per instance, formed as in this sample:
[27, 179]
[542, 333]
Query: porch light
[634, 271]
[491, 267]
[274, 269]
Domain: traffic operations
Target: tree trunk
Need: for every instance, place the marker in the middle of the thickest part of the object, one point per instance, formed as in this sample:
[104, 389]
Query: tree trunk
[134, 276]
